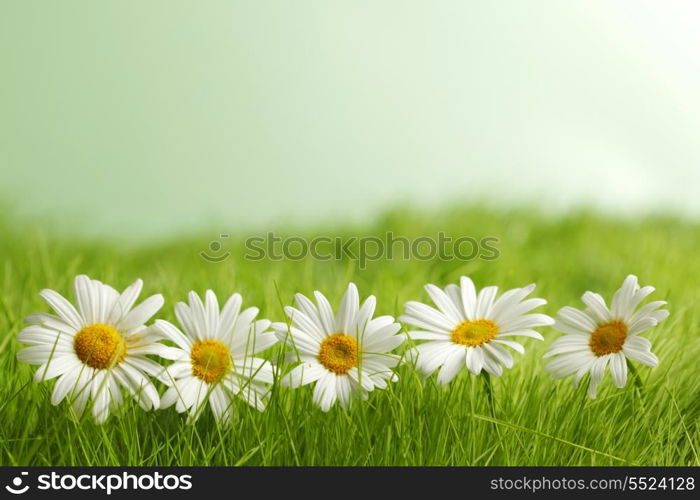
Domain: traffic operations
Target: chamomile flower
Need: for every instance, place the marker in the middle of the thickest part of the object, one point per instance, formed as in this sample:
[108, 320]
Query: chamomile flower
[602, 336]
[214, 357]
[96, 349]
[470, 330]
[344, 353]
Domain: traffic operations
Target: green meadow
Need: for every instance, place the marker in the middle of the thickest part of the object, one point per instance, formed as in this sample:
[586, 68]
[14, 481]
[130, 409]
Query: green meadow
[534, 420]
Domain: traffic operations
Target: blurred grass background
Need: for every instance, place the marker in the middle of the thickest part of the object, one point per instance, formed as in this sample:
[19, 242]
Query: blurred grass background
[143, 119]
[537, 421]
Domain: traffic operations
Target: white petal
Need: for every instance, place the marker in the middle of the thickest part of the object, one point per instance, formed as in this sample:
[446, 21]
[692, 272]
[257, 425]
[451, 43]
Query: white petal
[346, 317]
[620, 306]
[577, 319]
[173, 333]
[364, 316]
[228, 315]
[303, 374]
[618, 369]
[645, 357]
[474, 359]
[597, 372]
[513, 345]
[58, 365]
[305, 324]
[125, 302]
[50, 322]
[325, 392]
[444, 304]
[424, 316]
[140, 314]
[310, 311]
[596, 303]
[421, 335]
[211, 309]
[502, 355]
[453, 364]
[484, 301]
[63, 386]
[641, 325]
[325, 312]
[63, 308]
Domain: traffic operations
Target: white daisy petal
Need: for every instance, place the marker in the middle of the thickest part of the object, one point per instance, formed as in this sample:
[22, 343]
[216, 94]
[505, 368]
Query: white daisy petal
[618, 369]
[57, 365]
[325, 392]
[141, 313]
[454, 292]
[125, 302]
[451, 367]
[641, 325]
[499, 353]
[310, 311]
[521, 333]
[576, 318]
[63, 308]
[305, 323]
[597, 372]
[49, 322]
[513, 345]
[421, 335]
[597, 305]
[345, 319]
[303, 374]
[364, 316]
[444, 304]
[173, 333]
[468, 297]
[643, 356]
[485, 300]
[211, 309]
[228, 315]
[474, 360]
[491, 364]
[622, 299]
[325, 313]
[63, 386]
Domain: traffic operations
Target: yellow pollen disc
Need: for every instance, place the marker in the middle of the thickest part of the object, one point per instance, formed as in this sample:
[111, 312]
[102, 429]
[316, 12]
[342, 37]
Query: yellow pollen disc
[475, 332]
[211, 360]
[99, 346]
[338, 353]
[608, 338]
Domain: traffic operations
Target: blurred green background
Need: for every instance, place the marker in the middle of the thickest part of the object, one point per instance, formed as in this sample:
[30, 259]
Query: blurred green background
[150, 118]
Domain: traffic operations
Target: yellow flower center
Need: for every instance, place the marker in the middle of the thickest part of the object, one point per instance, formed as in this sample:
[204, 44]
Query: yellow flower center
[608, 338]
[338, 353]
[99, 346]
[474, 333]
[211, 360]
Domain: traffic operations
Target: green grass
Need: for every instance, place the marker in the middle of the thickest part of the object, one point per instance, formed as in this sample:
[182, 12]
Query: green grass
[537, 421]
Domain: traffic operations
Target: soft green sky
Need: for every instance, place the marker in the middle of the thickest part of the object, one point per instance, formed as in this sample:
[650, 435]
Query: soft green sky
[150, 117]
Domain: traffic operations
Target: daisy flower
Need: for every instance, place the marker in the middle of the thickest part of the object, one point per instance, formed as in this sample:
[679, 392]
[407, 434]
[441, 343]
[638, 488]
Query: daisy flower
[96, 349]
[213, 356]
[602, 336]
[471, 330]
[346, 353]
